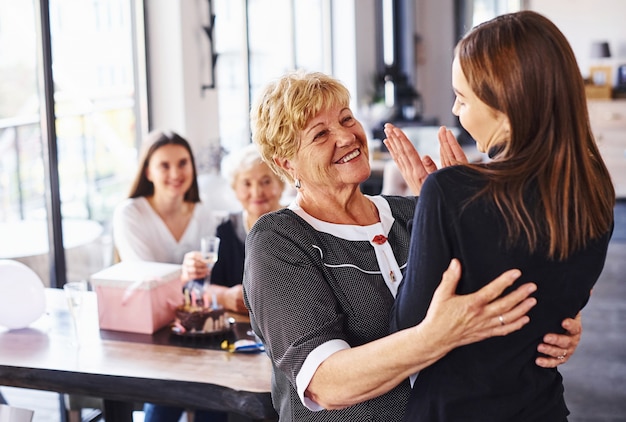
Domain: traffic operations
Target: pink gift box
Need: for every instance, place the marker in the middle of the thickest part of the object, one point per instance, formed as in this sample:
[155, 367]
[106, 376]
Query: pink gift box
[136, 296]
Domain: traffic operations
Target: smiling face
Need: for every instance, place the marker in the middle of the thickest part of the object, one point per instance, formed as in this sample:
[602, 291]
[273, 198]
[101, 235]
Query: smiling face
[333, 152]
[488, 127]
[258, 189]
[170, 170]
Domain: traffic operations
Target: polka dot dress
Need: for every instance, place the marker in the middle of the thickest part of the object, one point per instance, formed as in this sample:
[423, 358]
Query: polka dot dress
[308, 283]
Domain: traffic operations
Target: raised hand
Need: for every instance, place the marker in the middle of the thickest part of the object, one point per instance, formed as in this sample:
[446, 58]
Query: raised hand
[450, 151]
[412, 166]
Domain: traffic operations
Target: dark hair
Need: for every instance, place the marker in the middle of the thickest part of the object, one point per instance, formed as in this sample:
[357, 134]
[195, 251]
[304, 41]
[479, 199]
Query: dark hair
[522, 65]
[154, 140]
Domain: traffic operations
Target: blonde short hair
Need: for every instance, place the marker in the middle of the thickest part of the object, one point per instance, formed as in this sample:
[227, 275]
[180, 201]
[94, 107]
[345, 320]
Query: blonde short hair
[284, 108]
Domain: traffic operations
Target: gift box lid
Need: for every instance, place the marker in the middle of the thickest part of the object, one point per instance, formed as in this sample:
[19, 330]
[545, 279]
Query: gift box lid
[140, 274]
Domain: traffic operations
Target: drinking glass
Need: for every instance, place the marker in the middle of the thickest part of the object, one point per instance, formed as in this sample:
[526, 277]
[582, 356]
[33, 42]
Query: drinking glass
[74, 293]
[209, 247]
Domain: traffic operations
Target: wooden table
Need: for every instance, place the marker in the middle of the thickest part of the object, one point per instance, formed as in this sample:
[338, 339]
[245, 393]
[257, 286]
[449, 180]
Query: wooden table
[123, 371]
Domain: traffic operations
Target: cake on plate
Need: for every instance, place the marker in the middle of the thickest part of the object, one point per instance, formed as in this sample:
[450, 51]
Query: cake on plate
[200, 316]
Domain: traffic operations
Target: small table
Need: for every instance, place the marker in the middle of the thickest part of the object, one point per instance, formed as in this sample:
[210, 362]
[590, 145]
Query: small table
[123, 371]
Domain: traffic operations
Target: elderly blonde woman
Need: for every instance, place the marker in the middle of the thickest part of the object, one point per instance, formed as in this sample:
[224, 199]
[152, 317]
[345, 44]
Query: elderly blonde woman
[259, 190]
[321, 275]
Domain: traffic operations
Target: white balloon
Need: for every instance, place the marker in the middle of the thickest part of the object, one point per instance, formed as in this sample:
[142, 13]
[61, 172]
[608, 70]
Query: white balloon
[22, 295]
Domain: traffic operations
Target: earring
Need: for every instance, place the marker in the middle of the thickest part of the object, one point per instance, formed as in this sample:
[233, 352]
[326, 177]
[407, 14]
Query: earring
[297, 184]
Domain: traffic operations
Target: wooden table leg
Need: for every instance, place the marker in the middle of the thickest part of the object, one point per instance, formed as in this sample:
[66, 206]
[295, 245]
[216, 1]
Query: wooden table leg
[118, 411]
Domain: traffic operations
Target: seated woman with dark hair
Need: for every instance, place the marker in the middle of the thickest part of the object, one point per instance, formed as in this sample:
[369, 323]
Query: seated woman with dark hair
[161, 220]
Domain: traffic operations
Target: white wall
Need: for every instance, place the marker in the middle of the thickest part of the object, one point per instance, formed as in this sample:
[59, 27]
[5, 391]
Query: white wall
[581, 21]
[586, 21]
[179, 62]
[353, 44]
[366, 49]
[178, 66]
[435, 26]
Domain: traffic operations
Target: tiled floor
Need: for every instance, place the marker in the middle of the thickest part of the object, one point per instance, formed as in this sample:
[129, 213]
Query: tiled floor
[45, 404]
[595, 377]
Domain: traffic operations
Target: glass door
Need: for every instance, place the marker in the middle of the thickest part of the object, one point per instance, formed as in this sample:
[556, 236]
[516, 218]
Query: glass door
[257, 41]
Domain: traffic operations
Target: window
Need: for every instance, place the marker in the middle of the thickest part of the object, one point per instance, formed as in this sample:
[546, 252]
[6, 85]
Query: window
[98, 113]
[472, 13]
[485, 10]
[278, 35]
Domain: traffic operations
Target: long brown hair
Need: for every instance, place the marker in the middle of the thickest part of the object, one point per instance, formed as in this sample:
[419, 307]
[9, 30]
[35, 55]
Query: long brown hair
[522, 65]
[154, 140]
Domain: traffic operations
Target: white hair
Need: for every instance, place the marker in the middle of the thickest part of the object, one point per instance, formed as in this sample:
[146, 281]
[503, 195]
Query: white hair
[240, 160]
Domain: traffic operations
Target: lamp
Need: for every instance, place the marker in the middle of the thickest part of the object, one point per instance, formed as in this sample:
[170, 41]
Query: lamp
[600, 50]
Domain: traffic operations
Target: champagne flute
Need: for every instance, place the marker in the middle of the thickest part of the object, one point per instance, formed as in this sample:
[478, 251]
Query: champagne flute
[209, 248]
[74, 293]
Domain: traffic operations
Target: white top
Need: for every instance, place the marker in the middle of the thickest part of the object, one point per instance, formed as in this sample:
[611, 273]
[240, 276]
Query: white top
[139, 234]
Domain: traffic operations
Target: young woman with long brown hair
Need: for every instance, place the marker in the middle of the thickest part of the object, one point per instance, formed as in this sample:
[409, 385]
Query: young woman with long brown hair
[543, 204]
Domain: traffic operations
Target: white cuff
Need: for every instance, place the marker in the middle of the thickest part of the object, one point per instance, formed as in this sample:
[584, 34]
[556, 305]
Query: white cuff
[310, 365]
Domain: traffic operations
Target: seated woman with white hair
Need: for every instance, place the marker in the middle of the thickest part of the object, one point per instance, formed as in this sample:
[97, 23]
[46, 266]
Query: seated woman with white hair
[259, 190]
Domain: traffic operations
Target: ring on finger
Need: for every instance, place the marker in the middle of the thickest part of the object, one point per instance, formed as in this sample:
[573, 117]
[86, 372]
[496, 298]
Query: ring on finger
[501, 319]
[562, 357]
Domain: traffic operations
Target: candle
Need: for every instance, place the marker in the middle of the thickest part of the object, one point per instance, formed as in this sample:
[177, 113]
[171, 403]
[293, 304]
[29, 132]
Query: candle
[187, 300]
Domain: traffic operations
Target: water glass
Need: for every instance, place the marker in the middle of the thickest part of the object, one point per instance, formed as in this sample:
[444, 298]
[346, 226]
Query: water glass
[209, 247]
[75, 295]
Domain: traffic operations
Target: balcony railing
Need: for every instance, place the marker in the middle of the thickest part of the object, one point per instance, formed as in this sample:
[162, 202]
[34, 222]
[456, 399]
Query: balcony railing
[97, 150]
